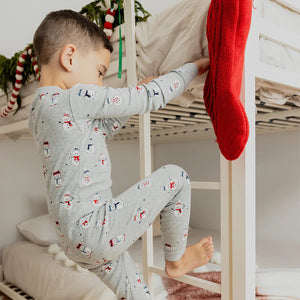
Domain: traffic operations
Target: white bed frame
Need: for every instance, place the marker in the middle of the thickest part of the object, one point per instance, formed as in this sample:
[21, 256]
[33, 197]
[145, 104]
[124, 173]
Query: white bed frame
[237, 178]
[237, 184]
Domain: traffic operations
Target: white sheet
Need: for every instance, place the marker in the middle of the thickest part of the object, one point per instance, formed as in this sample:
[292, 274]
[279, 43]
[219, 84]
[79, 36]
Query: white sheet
[278, 270]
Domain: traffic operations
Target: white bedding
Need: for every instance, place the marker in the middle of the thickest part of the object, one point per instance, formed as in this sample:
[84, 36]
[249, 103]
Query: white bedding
[34, 270]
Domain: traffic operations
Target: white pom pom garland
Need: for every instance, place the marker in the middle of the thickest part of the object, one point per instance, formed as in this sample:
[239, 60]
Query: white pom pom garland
[108, 32]
[109, 18]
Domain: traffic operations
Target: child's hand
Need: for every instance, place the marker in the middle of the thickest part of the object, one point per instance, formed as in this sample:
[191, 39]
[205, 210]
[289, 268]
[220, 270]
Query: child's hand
[146, 80]
[202, 64]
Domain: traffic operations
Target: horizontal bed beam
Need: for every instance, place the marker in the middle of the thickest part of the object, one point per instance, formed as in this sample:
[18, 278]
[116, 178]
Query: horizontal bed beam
[202, 185]
[281, 36]
[16, 126]
[277, 75]
[289, 4]
[12, 291]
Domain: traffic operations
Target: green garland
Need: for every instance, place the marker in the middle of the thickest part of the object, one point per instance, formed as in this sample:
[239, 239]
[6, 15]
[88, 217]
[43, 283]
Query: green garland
[93, 11]
[8, 67]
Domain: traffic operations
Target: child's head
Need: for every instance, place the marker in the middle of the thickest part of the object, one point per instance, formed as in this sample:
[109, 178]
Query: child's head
[71, 48]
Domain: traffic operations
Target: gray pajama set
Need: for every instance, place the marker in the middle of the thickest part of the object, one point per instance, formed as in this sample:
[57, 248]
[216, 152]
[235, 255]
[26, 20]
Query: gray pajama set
[95, 230]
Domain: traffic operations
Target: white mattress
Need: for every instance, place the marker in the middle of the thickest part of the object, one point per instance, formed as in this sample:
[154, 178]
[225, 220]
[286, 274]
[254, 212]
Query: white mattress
[34, 270]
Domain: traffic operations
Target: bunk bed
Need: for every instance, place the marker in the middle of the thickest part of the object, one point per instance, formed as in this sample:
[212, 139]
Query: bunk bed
[270, 95]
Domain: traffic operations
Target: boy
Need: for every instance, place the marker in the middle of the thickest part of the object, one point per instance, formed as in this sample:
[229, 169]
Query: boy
[72, 115]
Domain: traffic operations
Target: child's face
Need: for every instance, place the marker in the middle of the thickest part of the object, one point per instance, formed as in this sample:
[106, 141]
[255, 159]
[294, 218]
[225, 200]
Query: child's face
[89, 69]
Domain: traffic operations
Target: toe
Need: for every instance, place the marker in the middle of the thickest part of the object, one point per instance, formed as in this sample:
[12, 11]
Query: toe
[204, 241]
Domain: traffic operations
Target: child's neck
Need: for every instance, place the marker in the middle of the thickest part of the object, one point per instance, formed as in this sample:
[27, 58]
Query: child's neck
[51, 78]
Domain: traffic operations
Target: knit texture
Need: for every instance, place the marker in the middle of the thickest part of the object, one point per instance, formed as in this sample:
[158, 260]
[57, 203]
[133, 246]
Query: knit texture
[228, 25]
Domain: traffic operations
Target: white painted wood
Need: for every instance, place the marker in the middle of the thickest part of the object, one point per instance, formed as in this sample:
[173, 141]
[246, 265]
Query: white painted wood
[291, 5]
[115, 36]
[129, 15]
[279, 115]
[144, 133]
[10, 292]
[209, 285]
[145, 170]
[114, 67]
[226, 228]
[279, 35]
[205, 185]
[277, 75]
[5, 129]
[243, 184]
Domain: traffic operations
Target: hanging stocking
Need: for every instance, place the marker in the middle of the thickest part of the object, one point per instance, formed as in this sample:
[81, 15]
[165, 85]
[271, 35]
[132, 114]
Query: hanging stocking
[228, 24]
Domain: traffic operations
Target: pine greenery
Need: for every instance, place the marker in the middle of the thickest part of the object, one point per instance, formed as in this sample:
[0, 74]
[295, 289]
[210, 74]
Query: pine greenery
[95, 11]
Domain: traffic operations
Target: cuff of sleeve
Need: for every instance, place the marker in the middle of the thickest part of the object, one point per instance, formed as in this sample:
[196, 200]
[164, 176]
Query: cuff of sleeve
[171, 85]
[188, 72]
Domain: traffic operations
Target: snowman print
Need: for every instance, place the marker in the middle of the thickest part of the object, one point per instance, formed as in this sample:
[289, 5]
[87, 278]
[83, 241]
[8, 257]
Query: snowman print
[57, 179]
[53, 101]
[68, 200]
[46, 149]
[76, 156]
[87, 177]
[67, 123]
[90, 146]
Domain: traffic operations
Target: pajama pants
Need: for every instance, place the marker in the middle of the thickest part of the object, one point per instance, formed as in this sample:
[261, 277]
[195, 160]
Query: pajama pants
[119, 223]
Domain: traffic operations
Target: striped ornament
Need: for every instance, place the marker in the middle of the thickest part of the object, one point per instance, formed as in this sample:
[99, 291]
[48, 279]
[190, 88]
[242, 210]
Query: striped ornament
[19, 76]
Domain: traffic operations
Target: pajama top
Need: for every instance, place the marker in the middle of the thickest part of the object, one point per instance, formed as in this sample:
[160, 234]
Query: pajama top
[70, 128]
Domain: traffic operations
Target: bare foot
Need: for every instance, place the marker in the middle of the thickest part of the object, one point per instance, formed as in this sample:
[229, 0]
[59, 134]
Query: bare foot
[194, 256]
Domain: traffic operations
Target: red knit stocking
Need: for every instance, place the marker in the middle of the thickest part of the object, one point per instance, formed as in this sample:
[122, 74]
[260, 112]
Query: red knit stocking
[228, 24]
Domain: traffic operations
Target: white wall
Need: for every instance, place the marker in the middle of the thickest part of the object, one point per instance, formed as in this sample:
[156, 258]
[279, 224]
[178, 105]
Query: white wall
[277, 171]
[278, 187]
[23, 18]
[22, 190]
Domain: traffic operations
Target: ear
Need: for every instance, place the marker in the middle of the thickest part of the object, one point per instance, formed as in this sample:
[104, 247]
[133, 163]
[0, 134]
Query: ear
[67, 55]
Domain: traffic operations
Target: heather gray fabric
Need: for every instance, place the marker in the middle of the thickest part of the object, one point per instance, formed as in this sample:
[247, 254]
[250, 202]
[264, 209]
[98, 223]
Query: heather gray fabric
[95, 230]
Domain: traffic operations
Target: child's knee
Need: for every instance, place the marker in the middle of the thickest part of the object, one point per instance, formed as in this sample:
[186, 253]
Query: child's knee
[177, 171]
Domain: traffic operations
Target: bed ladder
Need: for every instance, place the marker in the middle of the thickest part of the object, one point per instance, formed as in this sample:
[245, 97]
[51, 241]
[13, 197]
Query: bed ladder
[237, 188]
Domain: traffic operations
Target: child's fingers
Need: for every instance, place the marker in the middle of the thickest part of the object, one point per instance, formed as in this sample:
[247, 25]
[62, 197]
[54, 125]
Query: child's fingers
[204, 65]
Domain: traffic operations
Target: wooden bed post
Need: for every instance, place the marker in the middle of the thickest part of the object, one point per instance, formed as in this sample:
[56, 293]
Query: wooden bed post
[226, 228]
[238, 226]
[144, 132]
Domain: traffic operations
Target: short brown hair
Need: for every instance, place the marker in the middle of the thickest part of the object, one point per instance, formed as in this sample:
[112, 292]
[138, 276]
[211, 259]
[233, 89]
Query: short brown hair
[67, 26]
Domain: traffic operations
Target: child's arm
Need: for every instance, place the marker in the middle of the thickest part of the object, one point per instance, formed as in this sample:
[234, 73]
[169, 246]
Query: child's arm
[110, 123]
[90, 101]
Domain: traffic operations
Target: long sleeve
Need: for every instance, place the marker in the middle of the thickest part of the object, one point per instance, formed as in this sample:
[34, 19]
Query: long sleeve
[114, 125]
[90, 101]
